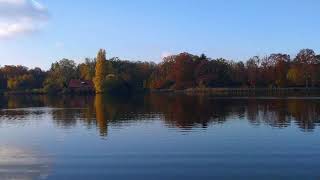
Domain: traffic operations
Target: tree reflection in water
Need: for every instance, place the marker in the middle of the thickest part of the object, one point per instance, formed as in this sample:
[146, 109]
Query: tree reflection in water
[177, 111]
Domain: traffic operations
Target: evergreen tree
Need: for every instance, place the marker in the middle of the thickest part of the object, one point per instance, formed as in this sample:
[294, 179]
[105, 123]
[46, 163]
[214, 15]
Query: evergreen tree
[100, 71]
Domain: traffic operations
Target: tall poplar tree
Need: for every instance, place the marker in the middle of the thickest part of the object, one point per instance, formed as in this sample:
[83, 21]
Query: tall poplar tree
[100, 74]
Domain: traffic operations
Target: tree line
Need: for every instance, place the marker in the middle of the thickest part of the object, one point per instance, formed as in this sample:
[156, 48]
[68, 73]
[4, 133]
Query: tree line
[181, 71]
[185, 71]
[111, 74]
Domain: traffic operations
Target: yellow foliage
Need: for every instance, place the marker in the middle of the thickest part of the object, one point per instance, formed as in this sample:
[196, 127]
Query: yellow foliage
[294, 75]
[100, 114]
[100, 71]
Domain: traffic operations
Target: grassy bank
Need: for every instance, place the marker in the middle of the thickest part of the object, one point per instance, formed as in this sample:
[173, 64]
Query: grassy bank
[69, 92]
[193, 91]
[246, 91]
[25, 92]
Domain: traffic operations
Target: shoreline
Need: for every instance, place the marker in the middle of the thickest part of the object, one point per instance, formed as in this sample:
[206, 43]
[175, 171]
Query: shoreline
[223, 92]
[240, 92]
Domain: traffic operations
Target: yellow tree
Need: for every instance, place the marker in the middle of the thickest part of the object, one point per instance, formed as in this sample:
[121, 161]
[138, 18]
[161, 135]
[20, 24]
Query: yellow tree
[100, 71]
[295, 76]
[83, 71]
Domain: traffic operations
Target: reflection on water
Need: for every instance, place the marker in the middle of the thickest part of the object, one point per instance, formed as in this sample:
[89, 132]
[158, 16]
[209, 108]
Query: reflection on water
[176, 111]
[159, 136]
[20, 164]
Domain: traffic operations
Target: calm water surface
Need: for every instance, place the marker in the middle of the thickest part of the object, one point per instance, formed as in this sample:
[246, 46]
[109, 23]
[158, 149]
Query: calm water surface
[159, 136]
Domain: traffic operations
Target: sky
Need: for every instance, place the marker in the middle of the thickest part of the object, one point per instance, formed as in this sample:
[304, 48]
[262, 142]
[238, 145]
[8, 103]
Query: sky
[35, 33]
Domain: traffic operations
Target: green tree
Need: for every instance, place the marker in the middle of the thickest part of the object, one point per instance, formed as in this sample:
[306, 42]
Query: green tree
[59, 75]
[115, 85]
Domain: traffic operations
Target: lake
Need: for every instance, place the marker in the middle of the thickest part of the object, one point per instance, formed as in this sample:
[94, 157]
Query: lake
[159, 136]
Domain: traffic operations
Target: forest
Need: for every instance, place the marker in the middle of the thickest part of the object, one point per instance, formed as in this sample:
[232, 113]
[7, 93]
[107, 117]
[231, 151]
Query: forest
[176, 72]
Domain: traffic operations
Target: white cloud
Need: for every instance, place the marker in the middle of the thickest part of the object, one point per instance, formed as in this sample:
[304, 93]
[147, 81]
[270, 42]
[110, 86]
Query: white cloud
[21, 17]
[12, 1]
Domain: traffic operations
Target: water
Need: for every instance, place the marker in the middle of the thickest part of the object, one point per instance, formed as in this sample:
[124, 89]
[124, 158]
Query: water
[159, 136]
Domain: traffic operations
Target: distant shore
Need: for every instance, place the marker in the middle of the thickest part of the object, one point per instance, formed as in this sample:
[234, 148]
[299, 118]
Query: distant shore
[245, 91]
[294, 91]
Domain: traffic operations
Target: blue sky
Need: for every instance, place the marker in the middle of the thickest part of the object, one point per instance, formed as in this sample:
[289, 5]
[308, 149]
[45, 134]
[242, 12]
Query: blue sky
[150, 29]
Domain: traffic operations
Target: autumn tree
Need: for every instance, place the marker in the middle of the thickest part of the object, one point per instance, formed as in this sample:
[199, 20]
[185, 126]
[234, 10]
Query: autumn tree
[281, 63]
[294, 75]
[86, 70]
[162, 76]
[204, 76]
[12, 71]
[20, 78]
[267, 71]
[3, 81]
[238, 74]
[179, 71]
[307, 60]
[183, 70]
[100, 73]
[253, 70]
[21, 82]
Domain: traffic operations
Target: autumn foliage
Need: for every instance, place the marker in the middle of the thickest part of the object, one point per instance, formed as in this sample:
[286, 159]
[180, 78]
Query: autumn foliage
[100, 73]
[178, 72]
[184, 71]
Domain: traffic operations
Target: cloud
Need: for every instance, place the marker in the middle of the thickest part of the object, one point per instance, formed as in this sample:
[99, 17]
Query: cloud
[21, 17]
